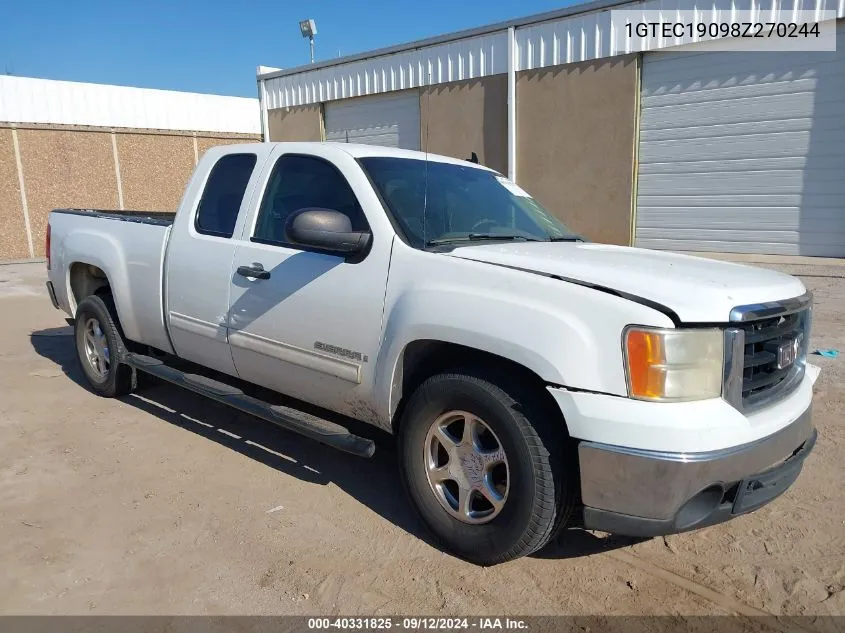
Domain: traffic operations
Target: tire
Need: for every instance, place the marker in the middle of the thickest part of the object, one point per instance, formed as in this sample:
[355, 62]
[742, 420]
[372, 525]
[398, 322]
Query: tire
[537, 494]
[94, 315]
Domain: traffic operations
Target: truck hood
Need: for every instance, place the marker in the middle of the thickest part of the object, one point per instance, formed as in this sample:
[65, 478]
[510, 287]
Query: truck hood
[696, 289]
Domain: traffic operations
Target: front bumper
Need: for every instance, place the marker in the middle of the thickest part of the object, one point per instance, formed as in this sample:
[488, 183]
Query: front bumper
[649, 493]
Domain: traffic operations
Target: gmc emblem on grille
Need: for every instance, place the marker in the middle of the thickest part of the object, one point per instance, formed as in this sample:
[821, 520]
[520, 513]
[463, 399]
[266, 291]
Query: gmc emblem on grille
[788, 352]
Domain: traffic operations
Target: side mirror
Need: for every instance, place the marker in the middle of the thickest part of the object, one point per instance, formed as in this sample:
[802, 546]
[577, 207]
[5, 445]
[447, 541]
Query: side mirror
[325, 229]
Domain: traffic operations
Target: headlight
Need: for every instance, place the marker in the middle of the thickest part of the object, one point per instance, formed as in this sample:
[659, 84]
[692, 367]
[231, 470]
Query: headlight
[673, 365]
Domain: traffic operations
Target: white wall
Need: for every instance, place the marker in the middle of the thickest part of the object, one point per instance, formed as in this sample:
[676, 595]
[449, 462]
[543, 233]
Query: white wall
[29, 100]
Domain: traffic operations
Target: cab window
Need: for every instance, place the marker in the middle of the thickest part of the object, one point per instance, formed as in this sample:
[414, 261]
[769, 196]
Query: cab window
[224, 191]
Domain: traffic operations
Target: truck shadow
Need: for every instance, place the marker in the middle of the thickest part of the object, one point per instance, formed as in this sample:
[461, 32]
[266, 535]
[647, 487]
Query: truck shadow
[575, 542]
[373, 482]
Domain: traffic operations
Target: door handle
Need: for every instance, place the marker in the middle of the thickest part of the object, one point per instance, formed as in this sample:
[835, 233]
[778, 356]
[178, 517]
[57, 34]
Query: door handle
[256, 271]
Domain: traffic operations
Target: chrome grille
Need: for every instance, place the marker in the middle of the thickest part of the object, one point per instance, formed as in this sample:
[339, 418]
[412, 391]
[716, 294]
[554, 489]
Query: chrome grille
[766, 352]
[761, 374]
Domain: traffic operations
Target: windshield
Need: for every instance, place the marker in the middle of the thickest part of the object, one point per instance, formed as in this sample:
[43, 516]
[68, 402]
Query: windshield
[462, 203]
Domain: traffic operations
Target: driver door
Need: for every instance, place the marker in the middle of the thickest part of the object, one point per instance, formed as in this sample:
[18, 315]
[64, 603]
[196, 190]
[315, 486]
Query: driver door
[311, 327]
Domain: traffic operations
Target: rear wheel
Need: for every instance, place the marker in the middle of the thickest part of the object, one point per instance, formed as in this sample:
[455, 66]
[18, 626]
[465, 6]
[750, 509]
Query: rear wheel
[483, 462]
[99, 347]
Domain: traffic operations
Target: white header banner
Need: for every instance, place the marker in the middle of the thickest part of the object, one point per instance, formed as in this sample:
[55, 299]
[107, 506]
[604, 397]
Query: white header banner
[724, 30]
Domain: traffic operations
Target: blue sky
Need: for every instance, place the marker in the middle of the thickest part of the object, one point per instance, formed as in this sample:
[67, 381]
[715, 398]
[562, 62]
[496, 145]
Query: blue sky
[214, 46]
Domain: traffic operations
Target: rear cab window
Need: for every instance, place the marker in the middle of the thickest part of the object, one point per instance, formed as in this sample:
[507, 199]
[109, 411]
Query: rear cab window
[217, 212]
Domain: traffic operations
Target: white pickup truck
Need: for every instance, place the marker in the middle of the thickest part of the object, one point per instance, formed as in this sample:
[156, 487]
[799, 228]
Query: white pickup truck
[533, 379]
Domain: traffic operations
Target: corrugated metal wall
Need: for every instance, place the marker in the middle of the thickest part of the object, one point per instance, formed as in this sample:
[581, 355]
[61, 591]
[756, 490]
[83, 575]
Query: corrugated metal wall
[29, 100]
[743, 152]
[442, 63]
[574, 38]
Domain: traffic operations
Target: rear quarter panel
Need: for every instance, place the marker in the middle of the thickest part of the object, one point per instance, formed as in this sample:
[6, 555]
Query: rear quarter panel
[132, 256]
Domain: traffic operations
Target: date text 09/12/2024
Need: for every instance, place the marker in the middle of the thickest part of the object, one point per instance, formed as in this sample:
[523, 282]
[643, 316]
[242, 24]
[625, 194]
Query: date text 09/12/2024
[416, 623]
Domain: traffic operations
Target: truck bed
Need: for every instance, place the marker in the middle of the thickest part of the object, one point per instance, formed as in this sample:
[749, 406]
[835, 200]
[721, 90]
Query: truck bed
[130, 246]
[162, 218]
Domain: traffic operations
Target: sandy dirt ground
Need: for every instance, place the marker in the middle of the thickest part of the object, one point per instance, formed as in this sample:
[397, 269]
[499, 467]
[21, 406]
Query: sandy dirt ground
[165, 503]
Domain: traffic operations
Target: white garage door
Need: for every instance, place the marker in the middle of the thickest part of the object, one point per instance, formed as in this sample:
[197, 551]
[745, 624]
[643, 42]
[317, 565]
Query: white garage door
[391, 120]
[743, 152]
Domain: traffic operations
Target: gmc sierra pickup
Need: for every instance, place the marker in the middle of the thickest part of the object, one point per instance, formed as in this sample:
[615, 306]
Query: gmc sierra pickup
[533, 379]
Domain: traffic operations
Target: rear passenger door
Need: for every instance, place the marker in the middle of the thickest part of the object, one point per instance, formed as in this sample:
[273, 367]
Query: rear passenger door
[199, 260]
[311, 327]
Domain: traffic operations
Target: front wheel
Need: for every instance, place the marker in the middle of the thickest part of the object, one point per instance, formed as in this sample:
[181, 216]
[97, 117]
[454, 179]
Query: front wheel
[483, 462]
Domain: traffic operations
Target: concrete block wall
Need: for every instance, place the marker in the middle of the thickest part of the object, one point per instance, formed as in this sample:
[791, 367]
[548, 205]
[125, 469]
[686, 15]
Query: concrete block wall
[13, 231]
[300, 123]
[576, 136]
[43, 167]
[462, 117]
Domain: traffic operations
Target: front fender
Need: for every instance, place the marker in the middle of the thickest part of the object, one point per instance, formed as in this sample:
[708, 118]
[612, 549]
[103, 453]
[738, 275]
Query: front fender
[567, 334]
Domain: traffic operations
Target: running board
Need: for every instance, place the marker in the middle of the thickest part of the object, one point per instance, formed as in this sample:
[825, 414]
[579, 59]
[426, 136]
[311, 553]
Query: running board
[310, 426]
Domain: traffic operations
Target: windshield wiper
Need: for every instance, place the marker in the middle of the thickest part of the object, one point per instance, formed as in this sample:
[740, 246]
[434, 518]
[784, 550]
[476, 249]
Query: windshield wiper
[567, 238]
[473, 237]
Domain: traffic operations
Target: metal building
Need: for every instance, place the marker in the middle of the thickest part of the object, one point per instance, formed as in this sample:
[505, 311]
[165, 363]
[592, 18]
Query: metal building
[660, 143]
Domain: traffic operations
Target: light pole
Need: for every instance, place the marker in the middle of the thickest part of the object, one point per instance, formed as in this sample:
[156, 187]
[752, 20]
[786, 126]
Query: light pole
[308, 28]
